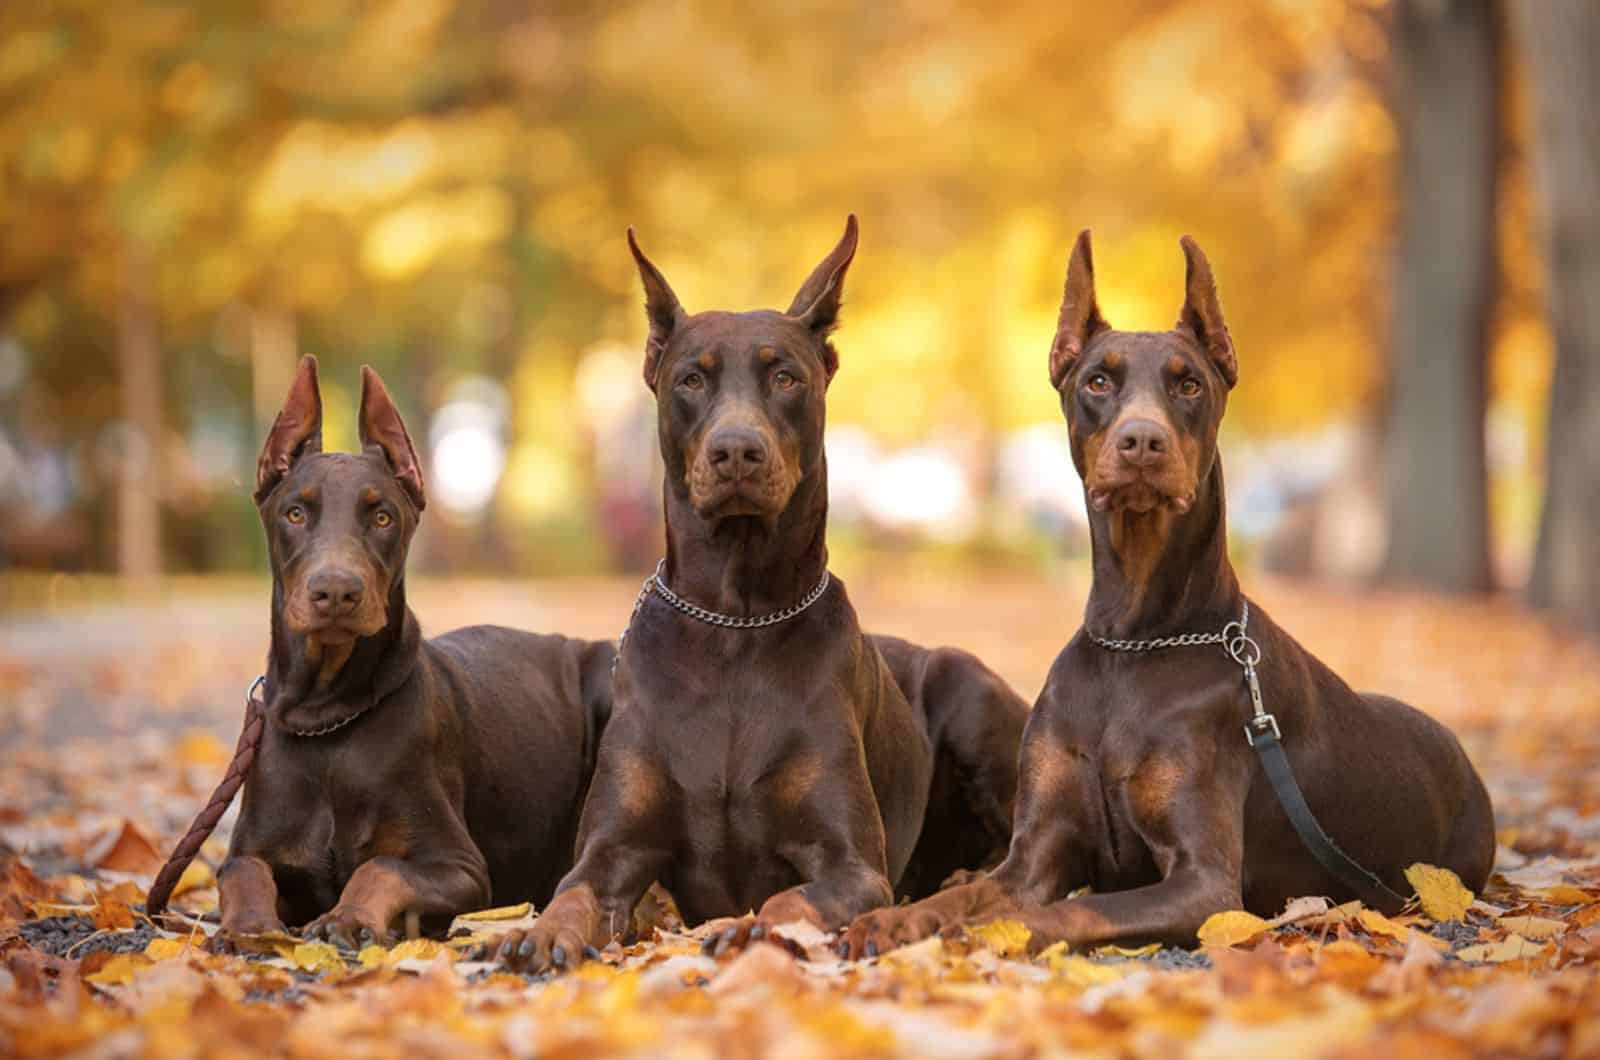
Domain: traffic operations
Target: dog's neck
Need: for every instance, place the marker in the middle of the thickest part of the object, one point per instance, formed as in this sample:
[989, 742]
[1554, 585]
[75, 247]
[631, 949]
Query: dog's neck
[312, 685]
[1157, 574]
[746, 565]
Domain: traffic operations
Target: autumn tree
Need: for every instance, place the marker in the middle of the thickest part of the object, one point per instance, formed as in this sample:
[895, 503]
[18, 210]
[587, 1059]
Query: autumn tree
[1446, 103]
[1561, 39]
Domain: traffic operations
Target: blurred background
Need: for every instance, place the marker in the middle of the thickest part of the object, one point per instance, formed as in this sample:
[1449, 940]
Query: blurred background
[1400, 200]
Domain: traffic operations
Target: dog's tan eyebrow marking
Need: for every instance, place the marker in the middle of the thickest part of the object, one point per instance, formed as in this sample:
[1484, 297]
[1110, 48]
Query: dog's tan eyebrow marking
[767, 354]
[1177, 365]
[370, 495]
[310, 493]
[1112, 360]
[708, 360]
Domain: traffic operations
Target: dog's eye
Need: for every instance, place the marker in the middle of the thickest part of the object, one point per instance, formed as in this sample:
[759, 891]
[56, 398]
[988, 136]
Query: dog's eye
[382, 520]
[295, 514]
[693, 381]
[784, 380]
[1098, 383]
[1189, 388]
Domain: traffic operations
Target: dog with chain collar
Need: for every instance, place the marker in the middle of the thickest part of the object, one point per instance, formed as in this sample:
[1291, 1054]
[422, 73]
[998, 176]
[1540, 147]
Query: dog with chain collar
[764, 755]
[386, 777]
[1136, 779]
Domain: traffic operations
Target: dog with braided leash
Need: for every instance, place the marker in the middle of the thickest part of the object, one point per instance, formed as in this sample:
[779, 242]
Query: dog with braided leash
[388, 779]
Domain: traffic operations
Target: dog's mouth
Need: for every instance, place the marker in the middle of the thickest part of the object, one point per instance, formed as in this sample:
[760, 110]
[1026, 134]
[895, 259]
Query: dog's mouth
[765, 495]
[1139, 496]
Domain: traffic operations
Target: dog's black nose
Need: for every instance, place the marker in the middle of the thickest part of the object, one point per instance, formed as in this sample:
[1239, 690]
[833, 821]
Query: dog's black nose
[335, 593]
[736, 451]
[1142, 443]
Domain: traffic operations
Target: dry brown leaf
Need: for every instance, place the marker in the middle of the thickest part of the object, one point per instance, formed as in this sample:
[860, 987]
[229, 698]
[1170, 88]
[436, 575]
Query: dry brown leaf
[1533, 927]
[1511, 948]
[124, 848]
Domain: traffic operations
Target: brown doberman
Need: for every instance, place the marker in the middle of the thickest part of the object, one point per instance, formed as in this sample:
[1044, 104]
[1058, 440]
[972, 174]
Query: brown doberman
[763, 753]
[396, 780]
[1138, 779]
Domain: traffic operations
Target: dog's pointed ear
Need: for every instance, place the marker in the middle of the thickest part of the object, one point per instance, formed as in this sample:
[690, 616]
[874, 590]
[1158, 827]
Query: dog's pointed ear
[1079, 319]
[660, 305]
[817, 302]
[381, 425]
[1202, 312]
[296, 431]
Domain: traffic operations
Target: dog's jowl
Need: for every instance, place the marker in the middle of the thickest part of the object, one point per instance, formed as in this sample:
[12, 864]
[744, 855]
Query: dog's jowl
[764, 755]
[1138, 778]
[395, 779]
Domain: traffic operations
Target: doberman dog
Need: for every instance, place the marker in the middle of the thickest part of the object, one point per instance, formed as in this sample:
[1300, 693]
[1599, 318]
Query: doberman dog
[397, 781]
[763, 753]
[1136, 779]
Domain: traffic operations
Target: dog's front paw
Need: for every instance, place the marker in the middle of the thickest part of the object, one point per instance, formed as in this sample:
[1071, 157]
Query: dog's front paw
[349, 928]
[745, 932]
[543, 947]
[882, 930]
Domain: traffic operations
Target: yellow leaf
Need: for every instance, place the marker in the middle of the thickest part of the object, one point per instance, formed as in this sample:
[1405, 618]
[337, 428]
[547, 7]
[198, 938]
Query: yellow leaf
[1230, 928]
[166, 949]
[316, 957]
[198, 747]
[197, 875]
[1126, 951]
[1533, 927]
[1378, 924]
[1443, 895]
[1081, 971]
[504, 912]
[411, 949]
[1008, 938]
[1511, 948]
[119, 970]
[1562, 894]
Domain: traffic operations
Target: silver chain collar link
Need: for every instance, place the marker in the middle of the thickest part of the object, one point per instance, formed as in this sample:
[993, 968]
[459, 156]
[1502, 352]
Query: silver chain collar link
[261, 682]
[1241, 648]
[658, 585]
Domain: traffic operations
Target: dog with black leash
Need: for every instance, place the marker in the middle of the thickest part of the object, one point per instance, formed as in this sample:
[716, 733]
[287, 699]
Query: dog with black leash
[1188, 756]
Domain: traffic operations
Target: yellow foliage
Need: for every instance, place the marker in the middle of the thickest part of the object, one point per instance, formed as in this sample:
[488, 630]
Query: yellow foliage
[1008, 938]
[503, 912]
[1441, 892]
[1378, 924]
[1230, 928]
[119, 970]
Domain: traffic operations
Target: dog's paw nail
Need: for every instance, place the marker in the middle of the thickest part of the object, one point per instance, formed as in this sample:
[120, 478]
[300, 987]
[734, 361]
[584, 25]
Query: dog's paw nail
[871, 949]
[758, 932]
[590, 953]
[558, 956]
[844, 950]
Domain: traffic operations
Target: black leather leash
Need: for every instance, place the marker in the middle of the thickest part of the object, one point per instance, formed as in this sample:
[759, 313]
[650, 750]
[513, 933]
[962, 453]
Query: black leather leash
[1265, 738]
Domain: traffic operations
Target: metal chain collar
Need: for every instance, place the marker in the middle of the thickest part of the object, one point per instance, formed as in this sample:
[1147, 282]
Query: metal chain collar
[658, 585]
[1241, 648]
[260, 683]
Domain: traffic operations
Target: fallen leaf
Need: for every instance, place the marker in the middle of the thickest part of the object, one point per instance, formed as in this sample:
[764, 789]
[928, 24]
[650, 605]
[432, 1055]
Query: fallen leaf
[124, 848]
[1078, 970]
[1378, 924]
[1511, 948]
[1533, 927]
[315, 957]
[1300, 909]
[197, 875]
[1008, 938]
[200, 747]
[166, 949]
[1124, 951]
[503, 912]
[1441, 892]
[1230, 928]
[1561, 894]
[119, 970]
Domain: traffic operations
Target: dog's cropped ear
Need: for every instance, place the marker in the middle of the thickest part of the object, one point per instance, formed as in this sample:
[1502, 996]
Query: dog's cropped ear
[1079, 319]
[660, 305]
[381, 426]
[1202, 312]
[817, 302]
[296, 431]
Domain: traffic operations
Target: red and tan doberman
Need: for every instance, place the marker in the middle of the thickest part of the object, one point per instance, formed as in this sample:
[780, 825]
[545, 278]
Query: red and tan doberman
[395, 778]
[1137, 780]
[764, 754]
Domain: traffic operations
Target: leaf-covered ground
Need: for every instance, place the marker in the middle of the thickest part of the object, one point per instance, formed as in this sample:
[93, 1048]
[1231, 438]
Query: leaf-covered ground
[116, 719]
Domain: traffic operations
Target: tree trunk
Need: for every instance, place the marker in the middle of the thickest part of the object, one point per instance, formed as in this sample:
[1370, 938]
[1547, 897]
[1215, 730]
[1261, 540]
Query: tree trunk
[1560, 40]
[1447, 113]
[139, 480]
